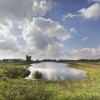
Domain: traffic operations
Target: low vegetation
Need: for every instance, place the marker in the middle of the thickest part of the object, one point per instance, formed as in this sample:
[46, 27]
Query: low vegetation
[13, 86]
[12, 70]
[37, 75]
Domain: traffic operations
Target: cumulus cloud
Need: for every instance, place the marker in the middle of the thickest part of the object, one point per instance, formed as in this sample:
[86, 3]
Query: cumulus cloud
[22, 10]
[85, 38]
[8, 42]
[2, 41]
[92, 12]
[19, 13]
[85, 53]
[9, 54]
[45, 36]
[94, 0]
[9, 47]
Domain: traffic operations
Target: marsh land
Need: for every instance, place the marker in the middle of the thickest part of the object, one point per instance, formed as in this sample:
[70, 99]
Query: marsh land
[14, 86]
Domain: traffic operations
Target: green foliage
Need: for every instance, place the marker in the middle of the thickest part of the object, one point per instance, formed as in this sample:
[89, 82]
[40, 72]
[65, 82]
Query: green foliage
[16, 72]
[37, 75]
[17, 88]
[13, 70]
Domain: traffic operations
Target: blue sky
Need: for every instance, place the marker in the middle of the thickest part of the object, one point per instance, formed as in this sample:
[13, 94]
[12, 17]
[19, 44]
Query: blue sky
[56, 29]
[85, 28]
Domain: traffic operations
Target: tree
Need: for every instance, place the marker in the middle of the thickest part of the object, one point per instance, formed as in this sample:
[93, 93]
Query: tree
[28, 58]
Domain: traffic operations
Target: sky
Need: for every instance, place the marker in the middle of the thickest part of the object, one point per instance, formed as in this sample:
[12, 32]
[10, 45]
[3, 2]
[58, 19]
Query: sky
[50, 29]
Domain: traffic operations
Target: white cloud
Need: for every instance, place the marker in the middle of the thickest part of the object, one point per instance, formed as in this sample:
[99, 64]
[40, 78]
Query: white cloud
[73, 30]
[22, 10]
[2, 41]
[92, 12]
[85, 38]
[14, 16]
[69, 16]
[8, 42]
[94, 0]
[9, 47]
[45, 37]
[85, 53]
[40, 7]
[8, 54]
[19, 27]
[20, 36]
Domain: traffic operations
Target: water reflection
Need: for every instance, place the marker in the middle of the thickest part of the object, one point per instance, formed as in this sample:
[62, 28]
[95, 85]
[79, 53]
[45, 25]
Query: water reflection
[55, 71]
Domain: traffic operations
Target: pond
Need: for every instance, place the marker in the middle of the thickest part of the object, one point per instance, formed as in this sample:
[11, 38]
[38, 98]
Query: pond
[55, 71]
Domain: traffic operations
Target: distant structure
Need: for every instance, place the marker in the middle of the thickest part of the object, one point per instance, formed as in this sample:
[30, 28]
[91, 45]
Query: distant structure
[10, 60]
[28, 58]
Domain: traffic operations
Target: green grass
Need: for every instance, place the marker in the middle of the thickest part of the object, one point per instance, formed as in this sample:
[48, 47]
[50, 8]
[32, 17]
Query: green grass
[18, 88]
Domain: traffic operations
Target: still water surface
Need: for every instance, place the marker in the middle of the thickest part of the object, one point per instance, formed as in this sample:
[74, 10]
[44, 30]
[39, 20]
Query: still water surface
[55, 71]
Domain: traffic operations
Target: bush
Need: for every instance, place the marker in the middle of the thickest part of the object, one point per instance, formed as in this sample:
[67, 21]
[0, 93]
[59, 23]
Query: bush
[37, 75]
[16, 72]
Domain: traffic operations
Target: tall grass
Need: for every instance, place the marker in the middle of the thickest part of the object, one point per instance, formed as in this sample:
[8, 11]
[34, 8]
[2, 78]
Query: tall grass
[37, 75]
[20, 89]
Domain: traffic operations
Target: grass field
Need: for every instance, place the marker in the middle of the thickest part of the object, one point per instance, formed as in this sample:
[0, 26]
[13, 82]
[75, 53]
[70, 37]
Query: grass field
[13, 86]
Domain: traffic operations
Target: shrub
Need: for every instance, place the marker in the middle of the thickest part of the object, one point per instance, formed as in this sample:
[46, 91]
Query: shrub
[37, 75]
[16, 72]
